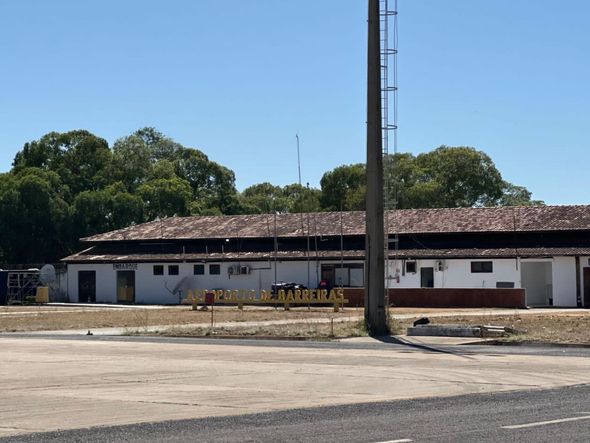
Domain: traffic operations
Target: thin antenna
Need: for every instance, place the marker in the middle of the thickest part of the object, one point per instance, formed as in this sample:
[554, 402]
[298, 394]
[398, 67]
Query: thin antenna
[300, 190]
[298, 159]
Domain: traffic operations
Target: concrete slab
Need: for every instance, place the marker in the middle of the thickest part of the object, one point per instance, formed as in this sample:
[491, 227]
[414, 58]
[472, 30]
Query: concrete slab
[51, 384]
[441, 341]
[418, 340]
[444, 331]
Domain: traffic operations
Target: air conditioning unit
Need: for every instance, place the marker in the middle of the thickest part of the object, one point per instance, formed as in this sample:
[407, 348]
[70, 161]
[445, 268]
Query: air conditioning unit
[234, 270]
[245, 269]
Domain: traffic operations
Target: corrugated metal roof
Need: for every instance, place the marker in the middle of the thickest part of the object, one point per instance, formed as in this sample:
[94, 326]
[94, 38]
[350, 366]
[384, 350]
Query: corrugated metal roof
[92, 256]
[406, 221]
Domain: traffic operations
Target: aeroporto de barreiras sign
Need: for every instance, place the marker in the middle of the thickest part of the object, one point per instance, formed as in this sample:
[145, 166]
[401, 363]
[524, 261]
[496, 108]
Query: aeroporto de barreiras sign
[251, 297]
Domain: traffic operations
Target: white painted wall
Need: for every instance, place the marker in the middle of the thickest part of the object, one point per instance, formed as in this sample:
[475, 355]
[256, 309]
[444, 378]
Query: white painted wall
[457, 273]
[150, 288]
[106, 283]
[564, 281]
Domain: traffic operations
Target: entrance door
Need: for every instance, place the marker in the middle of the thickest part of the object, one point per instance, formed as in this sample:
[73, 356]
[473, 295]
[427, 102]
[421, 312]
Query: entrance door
[587, 287]
[86, 286]
[537, 281]
[126, 286]
[427, 277]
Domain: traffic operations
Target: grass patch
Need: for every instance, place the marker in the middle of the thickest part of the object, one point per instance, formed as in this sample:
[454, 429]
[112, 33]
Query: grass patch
[562, 328]
[45, 318]
[303, 330]
[558, 327]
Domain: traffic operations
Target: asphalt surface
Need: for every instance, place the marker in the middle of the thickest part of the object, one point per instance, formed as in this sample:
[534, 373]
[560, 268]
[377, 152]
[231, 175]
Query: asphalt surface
[386, 343]
[526, 416]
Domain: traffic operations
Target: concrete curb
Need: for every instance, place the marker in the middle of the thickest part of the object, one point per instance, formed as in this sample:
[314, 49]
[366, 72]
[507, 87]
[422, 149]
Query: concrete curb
[529, 343]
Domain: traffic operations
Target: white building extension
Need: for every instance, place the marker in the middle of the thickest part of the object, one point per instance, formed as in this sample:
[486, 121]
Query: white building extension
[543, 250]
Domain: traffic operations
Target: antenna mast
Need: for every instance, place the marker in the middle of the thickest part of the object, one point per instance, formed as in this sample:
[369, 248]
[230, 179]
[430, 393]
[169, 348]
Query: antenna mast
[298, 159]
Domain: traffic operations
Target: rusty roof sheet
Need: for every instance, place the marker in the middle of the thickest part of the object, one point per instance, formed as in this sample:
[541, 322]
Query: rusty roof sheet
[92, 255]
[405, 221]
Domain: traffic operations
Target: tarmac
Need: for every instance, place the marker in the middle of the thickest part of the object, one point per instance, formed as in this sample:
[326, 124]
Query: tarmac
[70, 383]
[56, 380]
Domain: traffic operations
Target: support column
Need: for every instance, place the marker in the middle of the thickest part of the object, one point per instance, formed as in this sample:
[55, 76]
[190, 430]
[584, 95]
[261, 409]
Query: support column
[375, 317]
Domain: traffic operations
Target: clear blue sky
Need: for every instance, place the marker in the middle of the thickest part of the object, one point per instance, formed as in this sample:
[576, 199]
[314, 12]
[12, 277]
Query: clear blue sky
[238, 78]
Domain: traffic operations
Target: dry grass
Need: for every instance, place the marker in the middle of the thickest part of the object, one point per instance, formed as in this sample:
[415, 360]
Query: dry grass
[304, 330]
[562, 328]
[17, 319]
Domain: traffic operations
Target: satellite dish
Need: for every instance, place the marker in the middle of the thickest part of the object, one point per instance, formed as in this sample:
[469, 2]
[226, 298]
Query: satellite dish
[47, 275]
[182, 284]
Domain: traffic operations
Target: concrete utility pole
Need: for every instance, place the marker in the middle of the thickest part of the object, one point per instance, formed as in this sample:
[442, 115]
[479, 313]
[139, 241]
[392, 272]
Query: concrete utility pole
[374, 255]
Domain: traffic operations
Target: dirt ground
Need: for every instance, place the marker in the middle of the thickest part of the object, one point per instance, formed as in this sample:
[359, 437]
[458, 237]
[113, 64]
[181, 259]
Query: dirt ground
[547, 328]
[562, 327]
[49, 318]
[570, 328]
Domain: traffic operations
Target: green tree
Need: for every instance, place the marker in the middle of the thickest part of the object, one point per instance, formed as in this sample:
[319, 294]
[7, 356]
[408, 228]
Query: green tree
[344, 188]
[212, 185]
[461, 176]
[445, 177]
[81, 159]
[302, 199]
[166, 197]
[70, 185]
[112, 208]
[513, 195]
[264, 198]
[33, 217]
[147, 155]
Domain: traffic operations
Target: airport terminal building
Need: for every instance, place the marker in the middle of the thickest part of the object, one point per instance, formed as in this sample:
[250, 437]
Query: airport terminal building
[541, 252]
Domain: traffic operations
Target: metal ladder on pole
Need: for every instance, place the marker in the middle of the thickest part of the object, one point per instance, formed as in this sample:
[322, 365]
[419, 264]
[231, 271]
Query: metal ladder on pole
[388, 13]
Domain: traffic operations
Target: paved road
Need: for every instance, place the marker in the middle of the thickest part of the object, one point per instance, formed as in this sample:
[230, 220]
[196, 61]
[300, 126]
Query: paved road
[84, 382]
[531, 416]
[387, 343]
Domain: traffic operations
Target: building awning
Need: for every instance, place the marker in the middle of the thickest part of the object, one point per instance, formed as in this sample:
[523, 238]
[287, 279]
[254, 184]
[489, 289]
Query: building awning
[101, 255]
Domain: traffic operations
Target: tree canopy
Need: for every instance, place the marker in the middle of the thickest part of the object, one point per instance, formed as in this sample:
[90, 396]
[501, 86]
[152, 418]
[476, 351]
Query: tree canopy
[69, 185]
[446, 177]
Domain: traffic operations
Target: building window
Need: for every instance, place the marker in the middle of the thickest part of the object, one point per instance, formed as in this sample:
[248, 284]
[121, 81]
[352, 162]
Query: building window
[348, 275]
[158, 270]
[214, 269]
[411, 267]
[481, 266]
[199, 269]
[173, 270]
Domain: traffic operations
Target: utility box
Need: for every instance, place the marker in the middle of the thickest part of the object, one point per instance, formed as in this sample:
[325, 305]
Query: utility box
[42, 294]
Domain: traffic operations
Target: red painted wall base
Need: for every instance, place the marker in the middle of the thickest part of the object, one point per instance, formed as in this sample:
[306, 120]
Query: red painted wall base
[446, 298]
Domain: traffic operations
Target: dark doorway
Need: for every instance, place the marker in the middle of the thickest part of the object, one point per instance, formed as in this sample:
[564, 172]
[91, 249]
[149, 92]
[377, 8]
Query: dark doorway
[587, 287]
[125, 286]
[86, 286]
[427, 277]
[3, 287]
